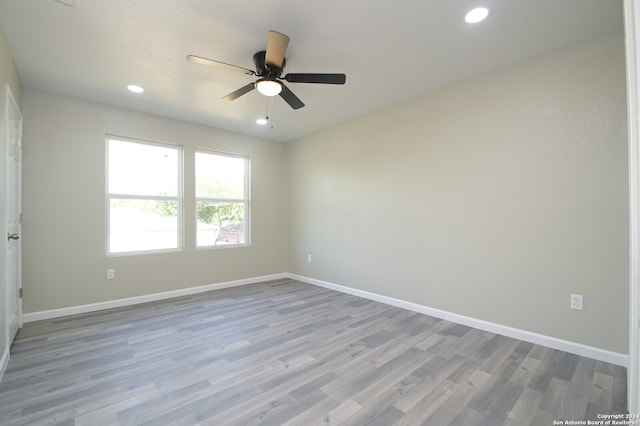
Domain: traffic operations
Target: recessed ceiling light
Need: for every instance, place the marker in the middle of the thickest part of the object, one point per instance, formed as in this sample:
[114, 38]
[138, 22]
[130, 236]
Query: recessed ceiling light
[262, 121]
[135, 88]
[476, 15]
[72, 3]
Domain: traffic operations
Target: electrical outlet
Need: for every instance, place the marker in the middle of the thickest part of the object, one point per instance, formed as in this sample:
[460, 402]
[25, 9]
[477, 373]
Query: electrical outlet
[576, 301]
[111, 274]
[308, 258]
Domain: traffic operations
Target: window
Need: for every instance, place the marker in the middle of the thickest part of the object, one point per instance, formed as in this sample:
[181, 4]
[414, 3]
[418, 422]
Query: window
[144, 196]
[222, 199]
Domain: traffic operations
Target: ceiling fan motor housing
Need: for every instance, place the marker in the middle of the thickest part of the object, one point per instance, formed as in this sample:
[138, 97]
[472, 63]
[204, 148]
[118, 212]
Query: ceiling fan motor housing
[265, 70]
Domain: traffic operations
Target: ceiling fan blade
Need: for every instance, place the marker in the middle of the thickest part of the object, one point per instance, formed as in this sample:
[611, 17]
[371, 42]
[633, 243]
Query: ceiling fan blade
[211, 62]
[241, 91]
[276, 47]
[288, 96]
[316, 78]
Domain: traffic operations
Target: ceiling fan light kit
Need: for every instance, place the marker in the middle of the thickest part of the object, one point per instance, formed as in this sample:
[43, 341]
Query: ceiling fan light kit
[269, 65]
[269, 87]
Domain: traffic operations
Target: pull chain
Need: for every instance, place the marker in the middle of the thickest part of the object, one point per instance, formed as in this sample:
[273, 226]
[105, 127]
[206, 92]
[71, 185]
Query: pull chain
[269, 108]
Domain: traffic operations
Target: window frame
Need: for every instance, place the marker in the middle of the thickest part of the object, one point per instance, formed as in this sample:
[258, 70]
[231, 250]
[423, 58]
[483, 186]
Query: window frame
[246, 200]
[178, 198]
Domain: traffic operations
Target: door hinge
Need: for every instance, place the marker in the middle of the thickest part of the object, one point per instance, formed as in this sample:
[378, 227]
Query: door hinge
[20, 293]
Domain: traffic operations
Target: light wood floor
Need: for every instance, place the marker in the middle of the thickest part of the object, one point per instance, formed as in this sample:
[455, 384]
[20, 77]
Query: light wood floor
[288, 353]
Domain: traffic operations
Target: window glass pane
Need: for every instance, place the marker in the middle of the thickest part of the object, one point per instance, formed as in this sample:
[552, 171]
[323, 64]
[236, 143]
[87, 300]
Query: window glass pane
[142, 169]
[219, 176]
[137, 225]
[220, 223]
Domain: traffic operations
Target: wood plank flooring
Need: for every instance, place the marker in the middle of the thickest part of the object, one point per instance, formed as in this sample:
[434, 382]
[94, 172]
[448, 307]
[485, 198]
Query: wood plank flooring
[288, 353]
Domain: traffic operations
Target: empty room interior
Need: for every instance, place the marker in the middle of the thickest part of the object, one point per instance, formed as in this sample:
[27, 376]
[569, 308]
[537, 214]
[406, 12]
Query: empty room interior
[430, 220]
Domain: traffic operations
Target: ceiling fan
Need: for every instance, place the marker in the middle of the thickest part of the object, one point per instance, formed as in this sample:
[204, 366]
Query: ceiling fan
[269, 66]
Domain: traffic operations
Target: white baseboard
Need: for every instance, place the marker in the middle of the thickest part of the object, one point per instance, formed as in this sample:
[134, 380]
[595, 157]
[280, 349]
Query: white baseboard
[92, 307]
[527, 336]
[4, 361]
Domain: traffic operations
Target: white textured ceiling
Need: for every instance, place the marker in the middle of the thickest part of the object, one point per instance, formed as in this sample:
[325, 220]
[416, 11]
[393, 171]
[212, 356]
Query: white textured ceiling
[390, 51]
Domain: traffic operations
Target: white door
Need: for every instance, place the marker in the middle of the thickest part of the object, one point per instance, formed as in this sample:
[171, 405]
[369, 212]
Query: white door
[13, 144]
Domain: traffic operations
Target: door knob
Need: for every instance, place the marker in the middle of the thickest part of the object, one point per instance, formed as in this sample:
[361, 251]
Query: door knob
[13, 236]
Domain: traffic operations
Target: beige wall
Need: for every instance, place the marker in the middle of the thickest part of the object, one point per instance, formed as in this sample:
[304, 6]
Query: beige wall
[495, 198]
[8, 76]
[64, 207]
